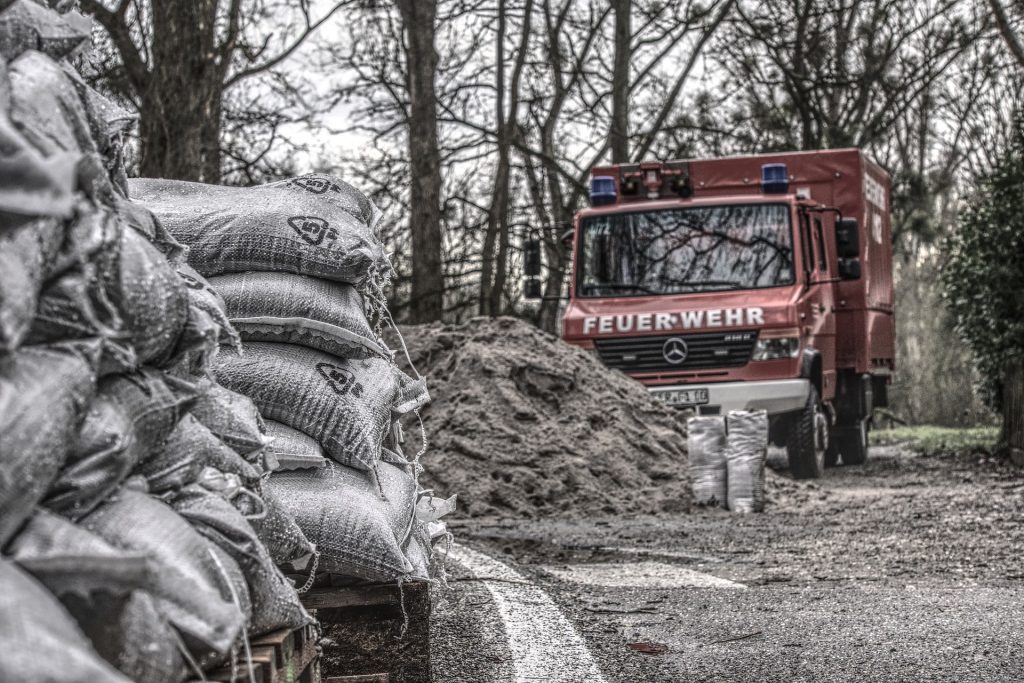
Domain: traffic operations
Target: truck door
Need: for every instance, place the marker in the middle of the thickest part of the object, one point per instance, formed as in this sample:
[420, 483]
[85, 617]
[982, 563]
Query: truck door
[816, 307]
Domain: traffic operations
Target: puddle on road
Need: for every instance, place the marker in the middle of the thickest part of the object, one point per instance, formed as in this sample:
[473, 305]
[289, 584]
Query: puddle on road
[638, 575]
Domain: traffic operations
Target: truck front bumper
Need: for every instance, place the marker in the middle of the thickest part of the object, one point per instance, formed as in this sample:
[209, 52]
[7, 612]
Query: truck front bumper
[774, 396]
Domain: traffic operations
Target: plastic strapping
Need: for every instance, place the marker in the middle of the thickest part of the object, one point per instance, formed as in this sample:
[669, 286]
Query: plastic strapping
[312, 574]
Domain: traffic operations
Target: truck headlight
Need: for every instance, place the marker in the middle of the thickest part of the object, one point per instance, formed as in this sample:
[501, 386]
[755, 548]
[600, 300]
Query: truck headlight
[775, 348]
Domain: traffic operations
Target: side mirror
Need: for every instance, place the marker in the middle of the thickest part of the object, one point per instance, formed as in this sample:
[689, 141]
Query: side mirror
[566, 238]
[849, 269]
[847, 239]
[531, 288]
[531, 258]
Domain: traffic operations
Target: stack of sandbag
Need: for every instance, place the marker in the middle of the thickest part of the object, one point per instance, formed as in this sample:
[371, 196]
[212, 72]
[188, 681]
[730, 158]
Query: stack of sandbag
[137, 541]
[727, 456]
[301, 271]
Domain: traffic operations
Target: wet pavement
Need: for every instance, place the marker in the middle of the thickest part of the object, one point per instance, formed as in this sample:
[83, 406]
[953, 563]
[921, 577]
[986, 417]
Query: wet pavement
[909, 568]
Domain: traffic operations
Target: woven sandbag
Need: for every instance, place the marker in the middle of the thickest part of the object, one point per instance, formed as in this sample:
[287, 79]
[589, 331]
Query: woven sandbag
[706, 449]
[358, 526]
[188, 449]
[41, 640]
[27, 251]
[44, 392]
[295, 309]
[275, 604]
[189, 588]
[26, 25]
[279, 531]
[345, 404]
[275, 227]
[745, 453]
[102, 588]
[202, 295]
[292, 449]
[232, 417]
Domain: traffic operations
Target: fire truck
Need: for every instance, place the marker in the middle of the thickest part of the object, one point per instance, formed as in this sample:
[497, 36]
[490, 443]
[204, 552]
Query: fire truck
[743, 283]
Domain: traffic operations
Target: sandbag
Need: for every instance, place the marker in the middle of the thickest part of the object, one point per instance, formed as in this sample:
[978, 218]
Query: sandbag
[295, 309]
[279, 531]
[128, 422]
[32, 184]
[232, 417]
[345, 404]
[357, 525]
[745, 453]
[44, 392]
[28, 249]
[102, 588]
[292, 449]
[127, 294]
[189, 588]
[41, 641]
[46, 108]
[275, 227]
[26, 25]
[706, 448]
[275, 604]
[202, 296]
[104, 454]
[150, 297]
[188, 449]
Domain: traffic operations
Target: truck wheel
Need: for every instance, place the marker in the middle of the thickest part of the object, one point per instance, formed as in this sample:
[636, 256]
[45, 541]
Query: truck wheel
[852, 443]
[808, 439]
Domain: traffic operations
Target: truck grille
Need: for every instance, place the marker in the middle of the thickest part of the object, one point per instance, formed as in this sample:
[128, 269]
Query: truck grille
[707, 350]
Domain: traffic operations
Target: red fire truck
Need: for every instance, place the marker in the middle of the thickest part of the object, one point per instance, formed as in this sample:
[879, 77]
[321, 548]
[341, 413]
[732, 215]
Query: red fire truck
[756, 282]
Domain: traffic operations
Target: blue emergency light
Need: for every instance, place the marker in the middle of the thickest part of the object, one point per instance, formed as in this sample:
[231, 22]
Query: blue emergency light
[774, 179]
[602, 190]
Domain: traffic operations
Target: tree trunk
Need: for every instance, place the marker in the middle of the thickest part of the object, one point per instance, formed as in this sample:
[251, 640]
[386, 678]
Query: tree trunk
[426, 302]
[1013, 410]
[182, 102]
[619, 132]
[489, 303]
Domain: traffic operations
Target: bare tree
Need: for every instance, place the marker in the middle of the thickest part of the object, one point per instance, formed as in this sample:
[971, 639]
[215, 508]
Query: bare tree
[176, 60]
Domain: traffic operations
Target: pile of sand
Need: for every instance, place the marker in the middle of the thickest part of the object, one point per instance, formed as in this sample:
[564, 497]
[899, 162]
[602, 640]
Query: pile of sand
[523, 424]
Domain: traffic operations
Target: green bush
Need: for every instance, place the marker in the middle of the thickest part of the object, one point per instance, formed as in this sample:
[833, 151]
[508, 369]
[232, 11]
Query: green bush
[983, 276]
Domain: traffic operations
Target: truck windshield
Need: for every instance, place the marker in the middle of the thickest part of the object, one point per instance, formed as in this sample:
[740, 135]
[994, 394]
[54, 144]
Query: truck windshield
[694, 249]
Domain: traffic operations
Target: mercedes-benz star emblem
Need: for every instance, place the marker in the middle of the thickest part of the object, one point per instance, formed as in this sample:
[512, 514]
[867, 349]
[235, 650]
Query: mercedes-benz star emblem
[674, 350]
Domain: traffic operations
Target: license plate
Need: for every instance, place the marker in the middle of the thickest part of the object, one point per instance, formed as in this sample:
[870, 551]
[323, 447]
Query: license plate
[682, 397]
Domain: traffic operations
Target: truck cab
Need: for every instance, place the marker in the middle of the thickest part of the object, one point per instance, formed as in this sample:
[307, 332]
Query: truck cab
[744, 283]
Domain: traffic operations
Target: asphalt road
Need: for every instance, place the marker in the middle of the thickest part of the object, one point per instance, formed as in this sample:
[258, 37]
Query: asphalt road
[909, 568]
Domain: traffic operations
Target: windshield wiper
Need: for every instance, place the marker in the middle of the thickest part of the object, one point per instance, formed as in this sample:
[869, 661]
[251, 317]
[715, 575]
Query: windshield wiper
[620, 286]
[713, 283]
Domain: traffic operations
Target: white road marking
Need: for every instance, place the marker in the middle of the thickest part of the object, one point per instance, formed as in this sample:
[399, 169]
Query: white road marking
[544, 645]
[638, 575]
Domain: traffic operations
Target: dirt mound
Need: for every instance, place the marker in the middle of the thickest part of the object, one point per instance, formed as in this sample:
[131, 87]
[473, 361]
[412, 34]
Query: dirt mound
[523, 424]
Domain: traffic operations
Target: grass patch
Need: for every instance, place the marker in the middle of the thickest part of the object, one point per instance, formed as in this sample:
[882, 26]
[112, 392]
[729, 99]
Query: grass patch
[929, 439]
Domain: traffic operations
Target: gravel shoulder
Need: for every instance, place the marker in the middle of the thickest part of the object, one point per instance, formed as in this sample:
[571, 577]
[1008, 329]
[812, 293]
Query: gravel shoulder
[907, 568]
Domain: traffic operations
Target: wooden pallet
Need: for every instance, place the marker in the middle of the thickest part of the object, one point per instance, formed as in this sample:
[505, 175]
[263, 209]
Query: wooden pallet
[369, 638]
[279, 657]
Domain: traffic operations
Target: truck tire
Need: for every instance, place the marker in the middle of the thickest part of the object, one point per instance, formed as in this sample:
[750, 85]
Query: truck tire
[807, 440]
[851, 443]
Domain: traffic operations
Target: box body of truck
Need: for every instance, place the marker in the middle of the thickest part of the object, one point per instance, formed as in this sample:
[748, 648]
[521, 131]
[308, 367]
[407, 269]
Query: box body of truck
[756, 282]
